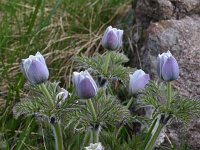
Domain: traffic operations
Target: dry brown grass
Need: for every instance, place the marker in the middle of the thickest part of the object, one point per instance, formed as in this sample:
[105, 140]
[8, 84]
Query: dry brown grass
[67, 34]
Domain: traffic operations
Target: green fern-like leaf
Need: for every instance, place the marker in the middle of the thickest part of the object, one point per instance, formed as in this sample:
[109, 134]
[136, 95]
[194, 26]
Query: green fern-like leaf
[28, 107]
[111, 142]
[36, 103]
[155, 95]
[185, 109]
[108, 109]
[180, 108]
[94, 62]
[115, 68]
[118, 58]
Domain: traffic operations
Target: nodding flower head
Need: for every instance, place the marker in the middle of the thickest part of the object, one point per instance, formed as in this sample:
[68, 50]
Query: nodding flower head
[138, 81]
[62, 96]
[112, 38]
[35, 69]
[84, 84]
[167, 67]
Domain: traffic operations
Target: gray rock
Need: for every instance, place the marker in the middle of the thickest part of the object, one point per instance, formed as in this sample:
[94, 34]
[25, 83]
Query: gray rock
[173, 25]
[182, 38]
[154, 10]
[194, 135]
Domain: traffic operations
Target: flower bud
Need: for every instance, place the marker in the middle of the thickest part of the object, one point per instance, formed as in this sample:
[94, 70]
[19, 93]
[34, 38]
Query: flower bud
[102, 81]
[112, 38]
[167, 67]
[52, 119]
[138, 81]
[84, 84]
[62, 96]
[34, 69]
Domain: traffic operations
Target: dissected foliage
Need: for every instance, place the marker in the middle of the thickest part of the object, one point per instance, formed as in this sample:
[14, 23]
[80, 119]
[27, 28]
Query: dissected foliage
[181, 109]
[108, 109]
[124, 142]
[115, 68]
[36, 103]
[185, 109]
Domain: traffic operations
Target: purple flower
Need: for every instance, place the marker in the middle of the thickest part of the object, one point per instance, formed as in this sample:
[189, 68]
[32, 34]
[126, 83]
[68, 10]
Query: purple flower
[167, 67]
[138, 81]
[112, 38]
[84, 84]
[62, 96]
[35, 69]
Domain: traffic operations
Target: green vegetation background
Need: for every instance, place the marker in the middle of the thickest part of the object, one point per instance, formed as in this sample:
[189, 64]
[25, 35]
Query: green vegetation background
[58, 29]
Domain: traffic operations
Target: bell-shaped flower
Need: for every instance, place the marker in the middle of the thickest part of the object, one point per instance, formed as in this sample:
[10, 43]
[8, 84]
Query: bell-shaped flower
[138, 81]
[112, 38]
[62, 96]
[35, 69]
[167, 67]
[84, 84]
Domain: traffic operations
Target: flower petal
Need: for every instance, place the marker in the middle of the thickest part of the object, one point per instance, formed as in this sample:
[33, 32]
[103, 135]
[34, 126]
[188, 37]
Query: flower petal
[160, 61]
[170, 69]
[63, 94]
[159, 66]
[87, 74]
[34, 68]
[138, 80]
[140, 83]
[24, 65]
[137, 74]
[120, 35]
[111, 40]
[40, 58]
[86, 89]
[76, 78]
[37, 72]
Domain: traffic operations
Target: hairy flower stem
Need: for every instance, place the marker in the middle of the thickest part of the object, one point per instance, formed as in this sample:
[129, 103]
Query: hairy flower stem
[86, 139]
[46, 93]
[148, 136]
[130, 102]
[94, 118]
[162, 121]
[168, 96]
[154, 137]
[91, 106]
[107, 62]
[56, 126]
[58, 136]
[118, 131]
[127, 106]
[95, 135]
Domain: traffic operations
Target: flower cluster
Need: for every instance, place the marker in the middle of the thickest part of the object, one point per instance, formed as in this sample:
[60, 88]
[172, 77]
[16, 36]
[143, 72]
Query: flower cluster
[36, 72]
